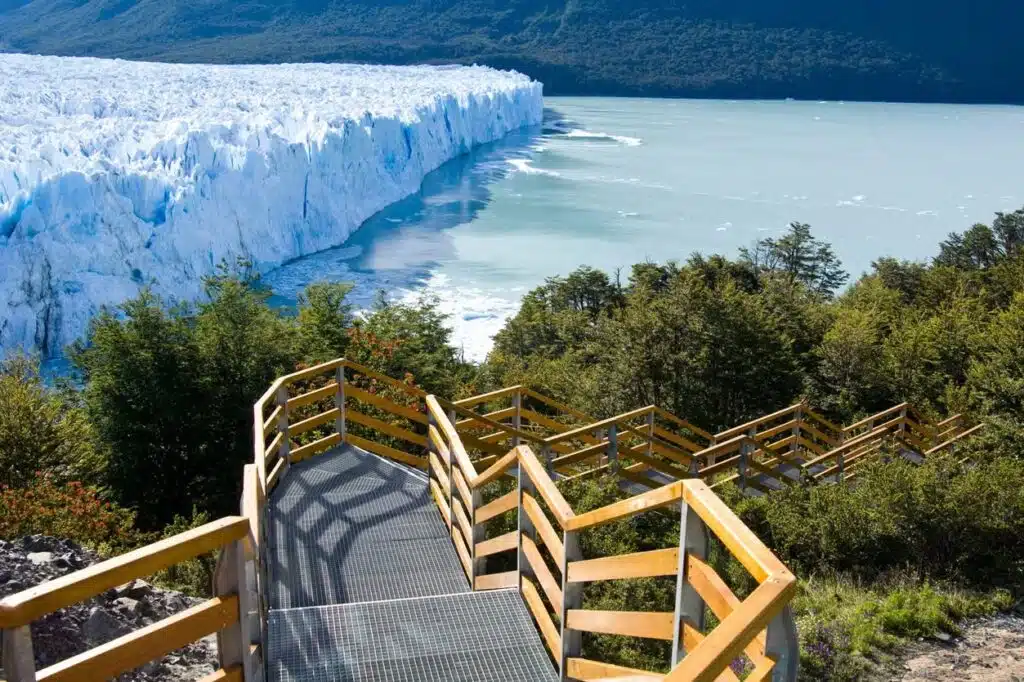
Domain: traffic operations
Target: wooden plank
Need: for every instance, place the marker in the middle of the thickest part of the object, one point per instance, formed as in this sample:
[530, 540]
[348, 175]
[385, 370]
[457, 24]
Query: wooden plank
[809, 445]
[488, 397]
[743, 428]
[275, 445]
[460, 485]
[385, 428]
[383, 378]
[776, 430]
[327, 391]
[313, 422]
[542, 420]
[474, 443]
[653, 625]
[736, 536]
[776, 476]
[818, 434]
[532, 467]
[232, 674]
[581, 455]
[820, 418]
[637, 476]
[251, 509]
[638, 565]
[544, 528]
[439, 472]
[547, 581]
[654, 499]
[955, 439]
[603, 424]
[494, 471]
[306, 451]
[714, 654]
[275, 474]
[463, 523]
[587, 670]
[442, 503]
[442, 448]
[383, 403]
[677, 439]
[497, 581]
[271, 421]
[24, 607]
[463, 552]
[146, 644]
[560, 407]
[502, 543]
[884, 414]
[386, 451]
[495, 438]
[313, 371]
[689, 426]
[497, 507]
[540, 614]
[637, 453]
[762, 672]
[719, 598]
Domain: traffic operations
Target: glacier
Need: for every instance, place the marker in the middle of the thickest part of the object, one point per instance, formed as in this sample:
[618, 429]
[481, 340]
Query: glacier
[116, 175]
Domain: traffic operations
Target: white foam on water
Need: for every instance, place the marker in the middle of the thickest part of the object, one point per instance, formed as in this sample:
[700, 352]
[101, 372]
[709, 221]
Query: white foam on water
[590, 135]
[526, 166]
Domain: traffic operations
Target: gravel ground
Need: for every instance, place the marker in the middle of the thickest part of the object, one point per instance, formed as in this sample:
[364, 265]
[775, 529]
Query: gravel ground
[991, 649]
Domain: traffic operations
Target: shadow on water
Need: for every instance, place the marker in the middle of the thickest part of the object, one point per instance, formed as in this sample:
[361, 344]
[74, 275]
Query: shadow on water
[399, 247]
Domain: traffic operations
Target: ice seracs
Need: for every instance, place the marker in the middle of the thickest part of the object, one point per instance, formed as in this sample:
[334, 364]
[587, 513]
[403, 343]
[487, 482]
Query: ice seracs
[115, 174]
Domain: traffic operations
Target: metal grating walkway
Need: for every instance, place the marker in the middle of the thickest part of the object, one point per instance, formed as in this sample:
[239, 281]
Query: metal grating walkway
[349, 526]
[365, 585]
[470, 637]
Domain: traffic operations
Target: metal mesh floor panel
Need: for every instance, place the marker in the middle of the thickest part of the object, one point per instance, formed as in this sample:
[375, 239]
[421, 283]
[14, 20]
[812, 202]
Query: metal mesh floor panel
[350, 527]
[470, 637]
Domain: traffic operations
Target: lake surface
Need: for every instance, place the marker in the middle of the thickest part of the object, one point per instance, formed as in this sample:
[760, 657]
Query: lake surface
[611, 182]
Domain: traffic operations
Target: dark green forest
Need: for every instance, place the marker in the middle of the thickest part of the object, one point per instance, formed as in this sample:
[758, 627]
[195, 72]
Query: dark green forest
[151, 436]
[871, 50]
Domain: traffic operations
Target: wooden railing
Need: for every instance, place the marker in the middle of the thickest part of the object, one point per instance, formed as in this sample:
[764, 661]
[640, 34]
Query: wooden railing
[228, 613]
[550, 571]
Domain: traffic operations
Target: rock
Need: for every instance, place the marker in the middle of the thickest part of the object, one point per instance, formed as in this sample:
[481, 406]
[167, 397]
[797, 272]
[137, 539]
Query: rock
[101, 627]
[128, 606]
[40, 557]
[944, 637]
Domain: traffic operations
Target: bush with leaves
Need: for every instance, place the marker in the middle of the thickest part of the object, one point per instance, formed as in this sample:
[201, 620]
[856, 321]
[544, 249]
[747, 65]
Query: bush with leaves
[70, 510]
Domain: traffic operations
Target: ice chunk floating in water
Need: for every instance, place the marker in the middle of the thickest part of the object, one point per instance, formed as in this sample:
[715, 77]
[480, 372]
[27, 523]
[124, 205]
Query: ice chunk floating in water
[117, 174]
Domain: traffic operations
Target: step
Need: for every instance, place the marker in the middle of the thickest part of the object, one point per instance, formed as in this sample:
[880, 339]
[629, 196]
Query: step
[466, 637]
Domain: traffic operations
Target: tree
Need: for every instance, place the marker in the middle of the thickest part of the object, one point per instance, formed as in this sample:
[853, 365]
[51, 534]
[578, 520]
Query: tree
[325, 318]
[983, 247]
[799, 257]
[42, 430]
[170, 392]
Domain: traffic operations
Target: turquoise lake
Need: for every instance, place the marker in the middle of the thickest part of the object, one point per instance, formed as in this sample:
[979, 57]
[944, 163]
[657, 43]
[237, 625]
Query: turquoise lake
[611, 182]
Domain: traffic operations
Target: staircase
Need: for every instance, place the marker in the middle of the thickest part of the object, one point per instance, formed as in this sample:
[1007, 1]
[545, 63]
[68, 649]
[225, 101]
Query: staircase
[365, 585]
[387, 535]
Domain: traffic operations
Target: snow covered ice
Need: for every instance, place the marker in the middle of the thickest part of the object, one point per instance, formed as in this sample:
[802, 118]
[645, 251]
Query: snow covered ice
[117, 174]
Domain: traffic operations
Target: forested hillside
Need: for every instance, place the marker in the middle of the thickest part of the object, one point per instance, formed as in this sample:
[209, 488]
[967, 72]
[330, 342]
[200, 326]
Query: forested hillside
[874, 49]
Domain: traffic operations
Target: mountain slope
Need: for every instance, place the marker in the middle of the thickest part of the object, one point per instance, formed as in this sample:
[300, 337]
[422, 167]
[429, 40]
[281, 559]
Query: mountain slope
[871, 49]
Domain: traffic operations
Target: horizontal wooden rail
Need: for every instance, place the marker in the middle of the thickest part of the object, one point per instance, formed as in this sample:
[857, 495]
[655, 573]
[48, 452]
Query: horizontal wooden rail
[955, 439]
[754, 423]
[659, 562]
[651, 625]
[147, 644]
[24, 607]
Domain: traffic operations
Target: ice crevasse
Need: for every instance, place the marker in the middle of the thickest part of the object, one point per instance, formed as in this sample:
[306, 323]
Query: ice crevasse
[115, 175]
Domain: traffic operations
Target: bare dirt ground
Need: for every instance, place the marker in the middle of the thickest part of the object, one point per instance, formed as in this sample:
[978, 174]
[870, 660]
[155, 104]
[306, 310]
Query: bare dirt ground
[991, 650]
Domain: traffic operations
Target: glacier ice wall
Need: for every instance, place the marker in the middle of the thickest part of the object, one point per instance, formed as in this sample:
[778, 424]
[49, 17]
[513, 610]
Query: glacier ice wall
[116, 174]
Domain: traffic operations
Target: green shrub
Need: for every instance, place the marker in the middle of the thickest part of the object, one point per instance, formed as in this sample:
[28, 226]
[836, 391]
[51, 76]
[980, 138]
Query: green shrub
[940, 520]
[195, 576]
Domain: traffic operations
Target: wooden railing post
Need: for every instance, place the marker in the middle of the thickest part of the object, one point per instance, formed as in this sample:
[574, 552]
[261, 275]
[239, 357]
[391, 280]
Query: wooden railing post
[339, 402]
[572, 598]
[746, 452]
[782, 646]
[18, 658]
[613, 448]
[650, 434]
[479, 535]
[517, 418]
[229, 579]
[282, 426]
[693, 539]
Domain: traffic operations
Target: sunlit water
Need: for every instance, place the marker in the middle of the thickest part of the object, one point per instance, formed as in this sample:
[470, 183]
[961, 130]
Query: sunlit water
[611, 182]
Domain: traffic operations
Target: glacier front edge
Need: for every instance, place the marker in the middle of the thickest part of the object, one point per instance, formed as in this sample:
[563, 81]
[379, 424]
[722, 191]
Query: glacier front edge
[115, 175]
